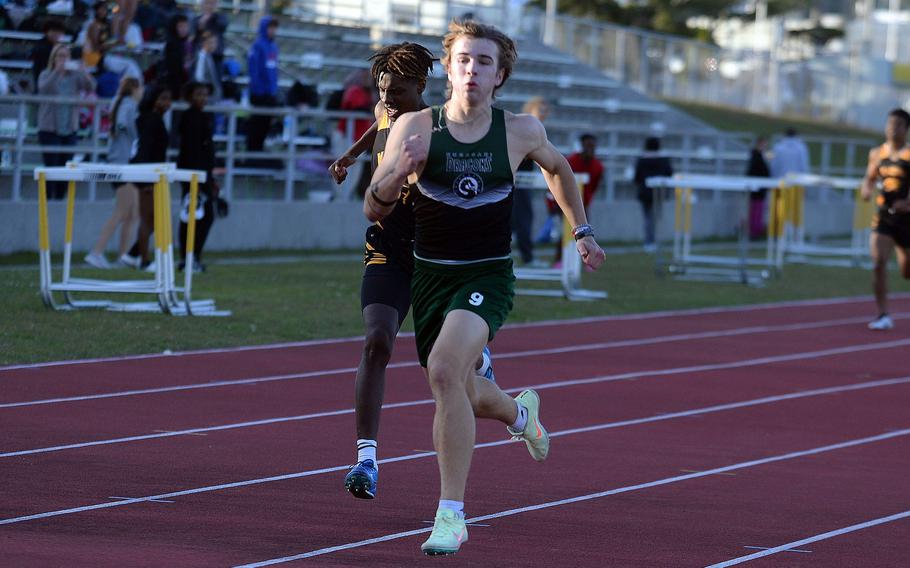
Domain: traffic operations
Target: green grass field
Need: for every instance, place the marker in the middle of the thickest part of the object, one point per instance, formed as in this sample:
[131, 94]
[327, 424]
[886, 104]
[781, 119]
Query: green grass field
[734, 120]
[316, 298]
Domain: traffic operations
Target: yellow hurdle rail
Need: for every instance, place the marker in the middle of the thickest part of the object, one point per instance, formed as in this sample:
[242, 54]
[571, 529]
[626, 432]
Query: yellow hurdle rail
[686, 265]
[793, 246]
[169, 298]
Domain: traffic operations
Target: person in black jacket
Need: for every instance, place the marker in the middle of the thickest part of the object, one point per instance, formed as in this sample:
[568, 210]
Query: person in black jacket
[178, 54]
[758, 167]
[152, 149]
[197, 152]
[650, 164]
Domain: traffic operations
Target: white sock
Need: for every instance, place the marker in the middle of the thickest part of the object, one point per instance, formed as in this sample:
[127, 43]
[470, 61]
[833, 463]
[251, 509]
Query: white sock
[522, 419]
[457, 506]
[366, 450]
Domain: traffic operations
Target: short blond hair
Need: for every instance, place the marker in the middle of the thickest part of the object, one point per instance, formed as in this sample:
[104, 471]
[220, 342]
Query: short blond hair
[469, 28]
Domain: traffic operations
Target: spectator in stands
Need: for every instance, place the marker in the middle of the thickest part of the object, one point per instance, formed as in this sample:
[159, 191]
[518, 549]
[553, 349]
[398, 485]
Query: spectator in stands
[178, 54]
[583, 162]
[758, 167]
[58, 122]
[151, 149]
[522, 207]
[126, 11]
[358, 96]
[262, 66]
[205, 68]
[650, 164]
[214, 22]
[197, 152]
[53, 32]
[98, 37]
[152, 17]
[123, 135]
[790, 155]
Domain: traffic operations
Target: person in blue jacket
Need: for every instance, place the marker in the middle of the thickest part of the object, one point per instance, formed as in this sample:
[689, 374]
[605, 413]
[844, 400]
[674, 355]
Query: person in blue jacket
[262, 66]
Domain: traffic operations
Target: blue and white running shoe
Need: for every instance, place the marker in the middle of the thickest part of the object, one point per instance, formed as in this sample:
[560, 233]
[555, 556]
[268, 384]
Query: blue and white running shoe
[486, 368]
[361, 480]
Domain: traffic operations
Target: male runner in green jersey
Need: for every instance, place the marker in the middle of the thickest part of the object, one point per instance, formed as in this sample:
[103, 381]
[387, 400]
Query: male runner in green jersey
[462, 157]
[400, 71]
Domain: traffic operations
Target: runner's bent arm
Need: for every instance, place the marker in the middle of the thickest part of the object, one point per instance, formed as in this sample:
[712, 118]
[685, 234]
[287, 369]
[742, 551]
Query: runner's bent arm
[339, 168]
[558, 174]
[868, 188]
[406, 151]
[561, 181]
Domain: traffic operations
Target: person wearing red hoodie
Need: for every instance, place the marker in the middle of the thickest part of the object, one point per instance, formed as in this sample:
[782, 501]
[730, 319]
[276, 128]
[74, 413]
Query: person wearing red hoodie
[583, 162]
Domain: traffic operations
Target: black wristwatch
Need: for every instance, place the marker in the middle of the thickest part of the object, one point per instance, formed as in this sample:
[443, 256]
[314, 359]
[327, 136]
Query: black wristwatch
[583, 231]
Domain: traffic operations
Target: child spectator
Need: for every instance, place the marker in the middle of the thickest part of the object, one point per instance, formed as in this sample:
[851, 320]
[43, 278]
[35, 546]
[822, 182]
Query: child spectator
[197, 152]
[152, 149]
[120, 150]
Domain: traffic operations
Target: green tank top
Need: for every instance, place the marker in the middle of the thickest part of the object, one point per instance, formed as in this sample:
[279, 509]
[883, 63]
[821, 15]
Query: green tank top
[463, 209]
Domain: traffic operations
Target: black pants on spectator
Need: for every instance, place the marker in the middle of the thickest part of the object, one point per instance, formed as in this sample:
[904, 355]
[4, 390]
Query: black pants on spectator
[56, 189]
[257, 127]
[202, 225]
[146, 223]
[522, 218]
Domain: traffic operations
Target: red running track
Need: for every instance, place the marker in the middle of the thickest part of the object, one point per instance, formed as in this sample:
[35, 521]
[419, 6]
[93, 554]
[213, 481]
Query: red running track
[685, 439]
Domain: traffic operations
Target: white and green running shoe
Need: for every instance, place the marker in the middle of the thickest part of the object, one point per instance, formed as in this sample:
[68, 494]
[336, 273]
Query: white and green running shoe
[449, 533]
[534, 434]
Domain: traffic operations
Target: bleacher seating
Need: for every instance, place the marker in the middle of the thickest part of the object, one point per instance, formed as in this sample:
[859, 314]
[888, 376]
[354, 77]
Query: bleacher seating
[582, 98]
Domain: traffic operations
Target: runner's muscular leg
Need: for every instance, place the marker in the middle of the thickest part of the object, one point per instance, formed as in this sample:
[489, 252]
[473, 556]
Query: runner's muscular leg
[903, 261]
[381, 326]
[450, 366]
[488, 400]
[881, 247]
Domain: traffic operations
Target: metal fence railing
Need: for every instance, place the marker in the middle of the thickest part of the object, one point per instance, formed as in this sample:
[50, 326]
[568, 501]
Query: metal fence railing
[302, 151]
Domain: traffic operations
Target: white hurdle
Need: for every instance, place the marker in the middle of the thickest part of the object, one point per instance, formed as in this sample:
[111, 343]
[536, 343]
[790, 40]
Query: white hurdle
[170, 298]
[796, 249]
[569, 275]
[740, 268]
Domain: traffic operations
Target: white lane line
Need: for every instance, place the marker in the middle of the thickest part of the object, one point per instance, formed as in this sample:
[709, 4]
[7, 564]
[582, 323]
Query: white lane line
[504, 355]
[575, 321]
[326, 414]
[591, 496]
[413, 456]
[788, 550]
[811, 539]
[150, 500]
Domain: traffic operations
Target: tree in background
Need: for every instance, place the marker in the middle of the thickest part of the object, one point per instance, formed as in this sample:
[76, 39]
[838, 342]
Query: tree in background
[666, 16]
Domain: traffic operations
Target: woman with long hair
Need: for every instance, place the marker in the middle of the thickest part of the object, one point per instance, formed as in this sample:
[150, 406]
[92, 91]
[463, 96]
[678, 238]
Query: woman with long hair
[58, 122]
[122, 140]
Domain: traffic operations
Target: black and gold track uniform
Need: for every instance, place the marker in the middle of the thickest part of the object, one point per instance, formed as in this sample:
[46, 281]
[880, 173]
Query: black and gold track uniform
[389, 251]
[894, 172]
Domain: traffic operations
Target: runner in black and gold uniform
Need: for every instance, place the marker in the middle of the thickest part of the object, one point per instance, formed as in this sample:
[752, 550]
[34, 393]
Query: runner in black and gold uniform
[889, 164]
[464, 155]
[400, 71]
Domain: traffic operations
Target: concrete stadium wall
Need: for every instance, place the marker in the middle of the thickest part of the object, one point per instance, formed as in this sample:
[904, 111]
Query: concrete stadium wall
[340, 225]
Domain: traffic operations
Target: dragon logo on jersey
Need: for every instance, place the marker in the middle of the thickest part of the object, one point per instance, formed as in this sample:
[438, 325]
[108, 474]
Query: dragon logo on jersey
[468, 185]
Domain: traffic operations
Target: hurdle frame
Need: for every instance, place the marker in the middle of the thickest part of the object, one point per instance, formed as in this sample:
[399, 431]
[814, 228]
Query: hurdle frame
[793, 246]
[569, 274]
[169, 298]
[684, 265]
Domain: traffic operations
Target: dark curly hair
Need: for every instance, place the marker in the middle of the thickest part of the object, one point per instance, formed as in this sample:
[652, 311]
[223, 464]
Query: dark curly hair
[406, 59]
